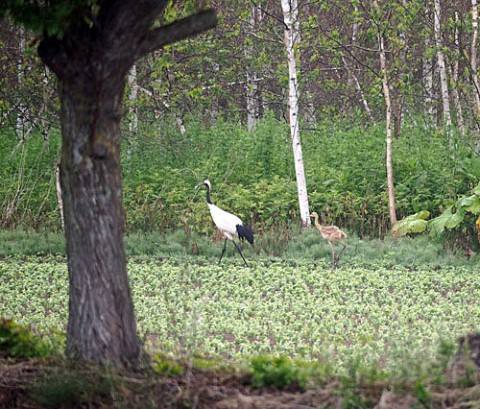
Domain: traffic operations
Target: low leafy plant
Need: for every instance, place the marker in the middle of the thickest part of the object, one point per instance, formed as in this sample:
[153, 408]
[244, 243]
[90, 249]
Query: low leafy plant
[281, 372]
[65, 387]
[19, 341]
[165, 366]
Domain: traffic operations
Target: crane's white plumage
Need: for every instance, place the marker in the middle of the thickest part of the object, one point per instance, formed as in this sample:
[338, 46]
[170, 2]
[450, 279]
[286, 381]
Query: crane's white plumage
[230, 225]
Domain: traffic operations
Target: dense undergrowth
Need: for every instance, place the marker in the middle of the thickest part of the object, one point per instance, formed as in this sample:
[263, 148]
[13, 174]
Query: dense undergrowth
[208, 306]
[252, 175]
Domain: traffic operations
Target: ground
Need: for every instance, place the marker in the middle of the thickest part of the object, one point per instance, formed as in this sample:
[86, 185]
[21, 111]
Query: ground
[23, 380]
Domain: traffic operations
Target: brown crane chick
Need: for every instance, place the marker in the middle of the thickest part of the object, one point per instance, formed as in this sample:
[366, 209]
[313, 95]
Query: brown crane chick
[333, 235]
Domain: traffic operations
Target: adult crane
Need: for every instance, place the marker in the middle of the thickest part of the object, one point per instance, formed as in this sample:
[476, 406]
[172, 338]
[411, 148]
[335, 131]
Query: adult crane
[230, 225]
[333, 235]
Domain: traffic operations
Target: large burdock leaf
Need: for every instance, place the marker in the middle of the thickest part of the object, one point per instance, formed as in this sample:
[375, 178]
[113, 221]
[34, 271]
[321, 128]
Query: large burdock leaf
[414, 223]
[448, 219]
[470, 204]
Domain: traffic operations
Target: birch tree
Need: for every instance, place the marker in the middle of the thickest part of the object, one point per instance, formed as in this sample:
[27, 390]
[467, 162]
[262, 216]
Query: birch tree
[251, 84]
[447, 120]
[454, 75]
[388, 115]
[428, 66]
[292, 40]
[474, 67]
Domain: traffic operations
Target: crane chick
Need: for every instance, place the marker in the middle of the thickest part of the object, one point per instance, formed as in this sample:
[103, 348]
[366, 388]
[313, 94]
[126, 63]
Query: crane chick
[230, 225]
[333, 235]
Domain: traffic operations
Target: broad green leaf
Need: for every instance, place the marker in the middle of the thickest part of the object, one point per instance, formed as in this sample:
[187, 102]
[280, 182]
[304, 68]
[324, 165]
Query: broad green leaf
[414, 223]
[470, 204]
[447, 219]
[476, 190]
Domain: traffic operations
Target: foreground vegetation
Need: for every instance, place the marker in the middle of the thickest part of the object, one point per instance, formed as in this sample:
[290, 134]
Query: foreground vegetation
[377, 313]
[387, 299]
[383, 325]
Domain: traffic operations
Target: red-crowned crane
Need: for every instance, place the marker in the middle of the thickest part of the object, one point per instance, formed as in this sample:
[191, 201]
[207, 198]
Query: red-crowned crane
[230, 225]
[333, 235]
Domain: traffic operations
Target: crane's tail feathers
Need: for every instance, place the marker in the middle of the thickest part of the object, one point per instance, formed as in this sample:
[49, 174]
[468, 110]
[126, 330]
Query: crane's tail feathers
[245, 232]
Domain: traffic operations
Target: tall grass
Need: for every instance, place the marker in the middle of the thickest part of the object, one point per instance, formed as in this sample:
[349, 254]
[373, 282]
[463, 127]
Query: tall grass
[289, 243]
[252, 175]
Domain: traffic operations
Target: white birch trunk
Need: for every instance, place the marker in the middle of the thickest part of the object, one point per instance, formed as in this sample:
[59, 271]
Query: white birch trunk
[474, 67]
[447, 119]
[428, 69]
[388, 121]
[132, 97]
[454, 75]
[473, 57]
[251, 85]
[58, 187]
[292, 38]
[21, 109]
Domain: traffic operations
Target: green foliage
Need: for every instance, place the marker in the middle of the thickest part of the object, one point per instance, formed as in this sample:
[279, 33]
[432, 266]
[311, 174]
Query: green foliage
[64, 387]
[456, 214]
[376, 312]
[165, 366]
[281, 372]
[51, 18]
[18, 341]
[414, 223]
[252, 174]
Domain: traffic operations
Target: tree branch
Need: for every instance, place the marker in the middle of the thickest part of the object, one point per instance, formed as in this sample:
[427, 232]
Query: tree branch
[178, 30]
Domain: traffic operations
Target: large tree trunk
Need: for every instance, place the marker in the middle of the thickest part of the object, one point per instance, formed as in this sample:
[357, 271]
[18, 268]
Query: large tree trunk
[101, 325]
[92, 63]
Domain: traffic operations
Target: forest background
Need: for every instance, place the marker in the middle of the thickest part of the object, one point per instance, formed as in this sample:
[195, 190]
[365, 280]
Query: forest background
[216, 106]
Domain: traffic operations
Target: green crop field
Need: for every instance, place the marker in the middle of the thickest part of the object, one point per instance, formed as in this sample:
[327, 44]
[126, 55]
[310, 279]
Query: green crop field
[373, 312]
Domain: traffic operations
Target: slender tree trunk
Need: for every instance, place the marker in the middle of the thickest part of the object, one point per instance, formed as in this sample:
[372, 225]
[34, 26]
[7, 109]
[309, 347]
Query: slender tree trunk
[447, 120]
[474, 68]
[352, 79]
[21, 108]
[454, 76]
[251, 84]
[428, 70]
[132, 97]
[388, 121]
[292, 33]
[58, 187]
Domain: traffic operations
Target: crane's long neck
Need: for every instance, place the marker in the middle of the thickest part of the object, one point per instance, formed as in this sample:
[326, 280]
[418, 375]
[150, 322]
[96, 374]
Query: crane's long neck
[208, 196]
[319, 226]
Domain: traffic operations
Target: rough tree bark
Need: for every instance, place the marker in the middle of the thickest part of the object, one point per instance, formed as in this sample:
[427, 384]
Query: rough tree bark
[92, 63]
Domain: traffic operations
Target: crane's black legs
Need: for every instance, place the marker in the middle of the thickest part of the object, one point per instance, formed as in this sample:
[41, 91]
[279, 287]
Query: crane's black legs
[225, 248]
[240, 251]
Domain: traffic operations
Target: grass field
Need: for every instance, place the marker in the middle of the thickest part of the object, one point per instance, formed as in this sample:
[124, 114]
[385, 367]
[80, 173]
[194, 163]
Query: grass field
[390, 314]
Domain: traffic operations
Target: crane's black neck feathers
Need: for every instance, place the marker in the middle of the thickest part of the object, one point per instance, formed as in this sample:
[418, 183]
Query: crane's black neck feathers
[245, 232]
[208, 194]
